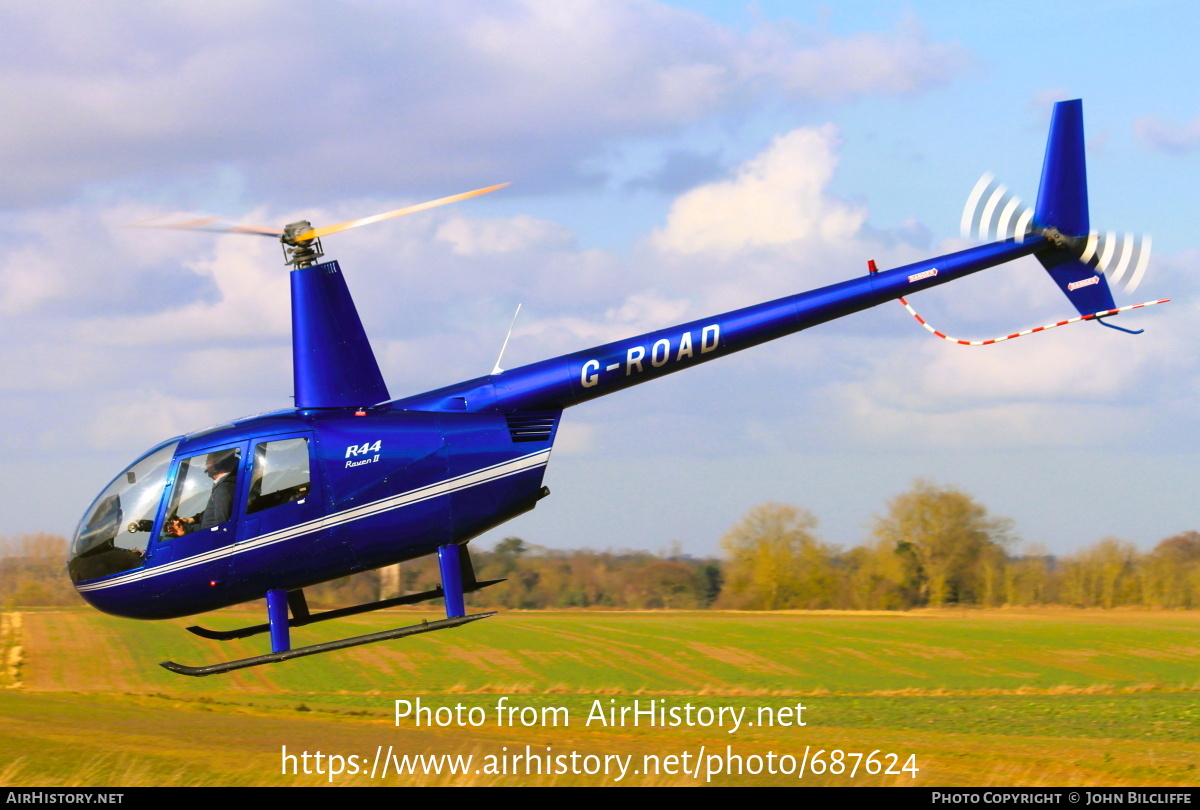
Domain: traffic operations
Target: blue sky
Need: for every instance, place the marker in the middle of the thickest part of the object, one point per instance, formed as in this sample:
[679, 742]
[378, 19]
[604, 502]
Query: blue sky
[667, 161]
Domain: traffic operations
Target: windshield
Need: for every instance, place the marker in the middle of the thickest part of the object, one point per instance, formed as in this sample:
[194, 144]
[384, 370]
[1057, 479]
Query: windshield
[114, 533]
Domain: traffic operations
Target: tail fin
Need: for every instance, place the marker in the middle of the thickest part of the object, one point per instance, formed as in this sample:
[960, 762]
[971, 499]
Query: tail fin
[1062, 197]
[1062, 206]
[1077, 255]
[332, 362]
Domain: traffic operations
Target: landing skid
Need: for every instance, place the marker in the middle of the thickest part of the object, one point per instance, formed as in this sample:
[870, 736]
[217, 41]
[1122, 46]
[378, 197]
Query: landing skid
[340, 644]
[302, 617]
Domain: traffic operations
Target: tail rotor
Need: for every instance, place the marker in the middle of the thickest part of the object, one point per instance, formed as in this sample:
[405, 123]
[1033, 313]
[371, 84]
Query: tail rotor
[994, 213]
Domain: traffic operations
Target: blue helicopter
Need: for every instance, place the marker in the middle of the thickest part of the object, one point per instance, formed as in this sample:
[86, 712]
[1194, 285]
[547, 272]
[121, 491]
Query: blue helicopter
[351, 479]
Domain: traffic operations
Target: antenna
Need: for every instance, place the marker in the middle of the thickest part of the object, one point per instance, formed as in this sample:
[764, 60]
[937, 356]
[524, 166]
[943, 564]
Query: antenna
[497, 369]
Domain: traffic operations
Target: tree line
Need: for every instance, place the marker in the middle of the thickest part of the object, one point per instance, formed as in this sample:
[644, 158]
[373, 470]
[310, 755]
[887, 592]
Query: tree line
[934, 547]
[938, 547]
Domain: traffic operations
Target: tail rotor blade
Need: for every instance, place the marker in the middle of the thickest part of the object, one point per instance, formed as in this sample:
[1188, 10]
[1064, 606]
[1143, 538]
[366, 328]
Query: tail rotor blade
[994, 212]
[1125, 253]
[988, 217]
[1024, 222]
[1006, 221]
[1090, 247]
[317, 233]
[969, 218]
[1119, 256]
[1139, 270]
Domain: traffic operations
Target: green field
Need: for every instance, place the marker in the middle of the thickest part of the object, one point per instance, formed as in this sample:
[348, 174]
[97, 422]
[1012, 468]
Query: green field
[978, 697]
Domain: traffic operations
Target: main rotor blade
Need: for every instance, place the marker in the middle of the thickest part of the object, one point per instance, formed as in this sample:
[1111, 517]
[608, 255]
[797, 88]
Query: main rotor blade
[317, 233]
[193, 222]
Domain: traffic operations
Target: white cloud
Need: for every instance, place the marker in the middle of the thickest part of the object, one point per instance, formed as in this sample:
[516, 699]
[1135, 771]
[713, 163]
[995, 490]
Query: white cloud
[472, 237]
[427, 97]
[1075, 386]
[1075, 363]
[437, 293]
[52, 367]
[1043, 101]
[77, 259]
[776, 198]
[251, 304]
[901, 61]
[1079, 365]
[875, 423]
[139, 418]
[210, 371]
[23, 285]
[1167, 136]
[639, 312]
[575, 438]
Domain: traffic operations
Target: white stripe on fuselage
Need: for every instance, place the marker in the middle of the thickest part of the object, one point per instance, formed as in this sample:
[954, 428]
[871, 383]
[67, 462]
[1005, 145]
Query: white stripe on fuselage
[481, 476]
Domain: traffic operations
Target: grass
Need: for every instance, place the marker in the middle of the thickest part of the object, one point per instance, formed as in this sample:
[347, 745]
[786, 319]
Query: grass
[981, 698]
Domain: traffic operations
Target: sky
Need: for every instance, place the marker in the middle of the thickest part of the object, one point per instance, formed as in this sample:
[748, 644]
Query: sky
[667, 161]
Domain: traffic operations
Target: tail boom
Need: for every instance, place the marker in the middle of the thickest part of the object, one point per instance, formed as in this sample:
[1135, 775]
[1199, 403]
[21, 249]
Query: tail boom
[581, 376]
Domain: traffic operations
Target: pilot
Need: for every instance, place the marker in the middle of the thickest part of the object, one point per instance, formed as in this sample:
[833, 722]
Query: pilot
[221, 467]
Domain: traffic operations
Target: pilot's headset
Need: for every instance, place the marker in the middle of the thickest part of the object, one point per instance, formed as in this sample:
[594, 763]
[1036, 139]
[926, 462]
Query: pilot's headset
[222, 461]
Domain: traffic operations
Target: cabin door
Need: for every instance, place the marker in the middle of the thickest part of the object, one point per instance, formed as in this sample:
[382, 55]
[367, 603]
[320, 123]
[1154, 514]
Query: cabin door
[200, 523]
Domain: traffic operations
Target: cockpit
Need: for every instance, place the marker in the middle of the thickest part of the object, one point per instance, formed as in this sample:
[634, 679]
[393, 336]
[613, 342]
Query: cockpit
[115, 531]
[211, 491]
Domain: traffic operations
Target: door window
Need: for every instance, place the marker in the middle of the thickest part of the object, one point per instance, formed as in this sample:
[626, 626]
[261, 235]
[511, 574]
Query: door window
[204, 493]
[281, 474]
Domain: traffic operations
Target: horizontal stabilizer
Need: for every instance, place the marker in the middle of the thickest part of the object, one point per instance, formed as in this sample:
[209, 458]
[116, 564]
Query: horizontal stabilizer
[1087, 289]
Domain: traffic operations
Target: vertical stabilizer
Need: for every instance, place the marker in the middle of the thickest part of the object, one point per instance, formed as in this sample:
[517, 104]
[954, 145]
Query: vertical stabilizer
[1062, 201]
[332, 362]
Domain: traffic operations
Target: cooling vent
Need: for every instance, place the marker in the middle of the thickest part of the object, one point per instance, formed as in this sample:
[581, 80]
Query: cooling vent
[531, 427]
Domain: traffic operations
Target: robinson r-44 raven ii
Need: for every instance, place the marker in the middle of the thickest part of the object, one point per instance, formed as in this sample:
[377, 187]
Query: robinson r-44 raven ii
[351, 479]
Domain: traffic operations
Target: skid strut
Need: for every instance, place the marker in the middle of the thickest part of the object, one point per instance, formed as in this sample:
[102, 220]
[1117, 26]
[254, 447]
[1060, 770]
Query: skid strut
[452, 580]
[458, 578]
[464, 583]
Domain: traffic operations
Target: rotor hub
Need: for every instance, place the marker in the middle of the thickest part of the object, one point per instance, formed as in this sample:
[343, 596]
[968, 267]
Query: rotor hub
[300, 252]
[1075, 244]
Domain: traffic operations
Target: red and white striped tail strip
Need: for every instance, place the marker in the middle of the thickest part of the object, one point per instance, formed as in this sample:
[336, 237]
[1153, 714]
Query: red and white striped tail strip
[1107, 312]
